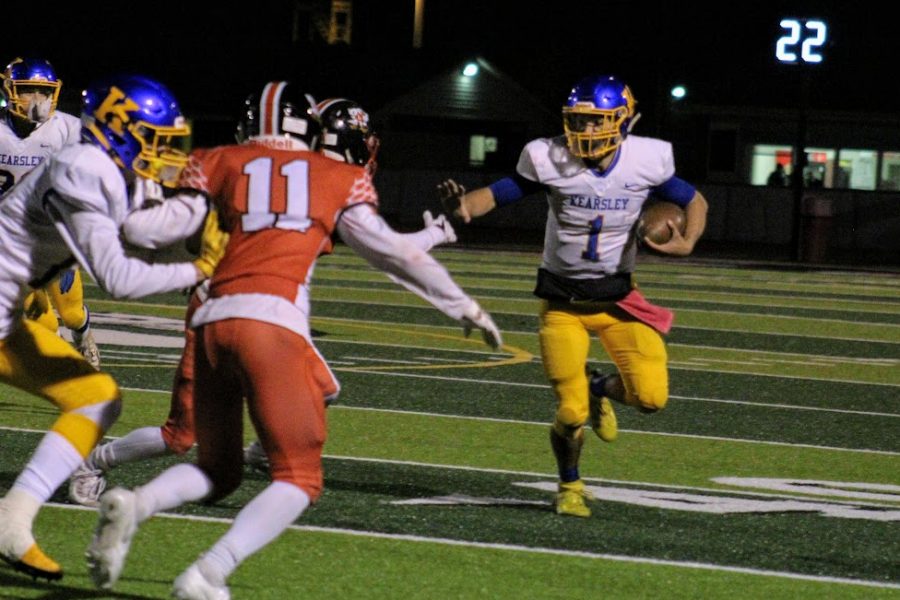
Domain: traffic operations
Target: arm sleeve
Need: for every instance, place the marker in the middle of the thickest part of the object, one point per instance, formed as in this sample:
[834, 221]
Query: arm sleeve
[675, 190]
[372, 238]
[166, 223]
[512, 189]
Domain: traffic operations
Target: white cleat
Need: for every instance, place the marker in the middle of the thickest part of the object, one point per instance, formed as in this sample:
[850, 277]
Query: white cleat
[255, 457]
[112, 538]
[193, 585]
[88, 348]
[86, 486]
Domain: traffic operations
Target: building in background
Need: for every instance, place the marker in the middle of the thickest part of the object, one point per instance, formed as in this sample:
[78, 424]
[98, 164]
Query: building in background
[739, 115]
[846, 150]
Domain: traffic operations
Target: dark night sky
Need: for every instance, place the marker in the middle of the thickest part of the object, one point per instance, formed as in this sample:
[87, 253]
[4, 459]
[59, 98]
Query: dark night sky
[212, 58]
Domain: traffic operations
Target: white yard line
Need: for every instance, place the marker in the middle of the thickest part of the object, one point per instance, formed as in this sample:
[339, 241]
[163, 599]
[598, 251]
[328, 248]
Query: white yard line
[129, 339]
[543, 424]
[863, 413]
[538, 550]
[552, 476]
[630, 431]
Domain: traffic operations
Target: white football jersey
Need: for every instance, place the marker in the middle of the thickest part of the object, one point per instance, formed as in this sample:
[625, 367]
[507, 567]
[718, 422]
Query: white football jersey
[591, 217]
[18, 156]
[68, 208]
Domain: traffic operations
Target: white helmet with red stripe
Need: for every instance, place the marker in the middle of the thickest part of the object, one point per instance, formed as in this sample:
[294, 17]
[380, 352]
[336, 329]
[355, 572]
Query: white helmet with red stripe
[281, 116]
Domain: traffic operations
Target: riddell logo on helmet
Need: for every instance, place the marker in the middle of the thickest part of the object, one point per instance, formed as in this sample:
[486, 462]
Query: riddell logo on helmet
[279, 143]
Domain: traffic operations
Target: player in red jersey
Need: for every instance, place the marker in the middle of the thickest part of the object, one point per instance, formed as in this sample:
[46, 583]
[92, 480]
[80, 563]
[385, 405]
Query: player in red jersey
[280, 203]
[161, 224]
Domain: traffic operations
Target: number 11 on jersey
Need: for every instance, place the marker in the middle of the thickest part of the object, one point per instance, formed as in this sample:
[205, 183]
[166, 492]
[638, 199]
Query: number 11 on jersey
[295, 177]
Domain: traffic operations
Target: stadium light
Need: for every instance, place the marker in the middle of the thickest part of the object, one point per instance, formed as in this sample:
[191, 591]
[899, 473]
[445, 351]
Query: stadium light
[470, 70]
[678, 92]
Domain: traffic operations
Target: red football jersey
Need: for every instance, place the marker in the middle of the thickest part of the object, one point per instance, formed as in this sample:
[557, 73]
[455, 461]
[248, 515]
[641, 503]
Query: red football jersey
[280, 208]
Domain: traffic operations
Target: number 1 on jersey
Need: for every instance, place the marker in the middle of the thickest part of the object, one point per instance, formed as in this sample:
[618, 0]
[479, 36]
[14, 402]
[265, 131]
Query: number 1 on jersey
[295, 176]
[590, 253]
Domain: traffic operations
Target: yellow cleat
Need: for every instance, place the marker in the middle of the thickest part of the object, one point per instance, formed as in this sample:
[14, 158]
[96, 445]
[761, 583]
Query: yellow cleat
[35, 563]
[600, 410]
[603, 419]
[570, 499]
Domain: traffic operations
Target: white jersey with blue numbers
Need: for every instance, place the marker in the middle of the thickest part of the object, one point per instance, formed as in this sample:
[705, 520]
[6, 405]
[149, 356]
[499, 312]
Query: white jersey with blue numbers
[68, 208]
[19, 156]
[591, 217]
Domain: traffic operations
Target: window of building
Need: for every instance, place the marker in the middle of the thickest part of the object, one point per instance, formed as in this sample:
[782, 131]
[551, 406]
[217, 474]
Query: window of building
[340, 27]
[763, 164]
[846, 168]
[820, 167]
[479, 147]
[890, 171]
[858, 170]
[820, 171]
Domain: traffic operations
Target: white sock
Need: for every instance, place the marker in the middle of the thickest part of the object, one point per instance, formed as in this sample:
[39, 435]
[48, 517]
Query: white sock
[140, 444]
[21, 504]
[79, 332]
[172, 488]
[54, 460]
[17, 511]
[258, 523]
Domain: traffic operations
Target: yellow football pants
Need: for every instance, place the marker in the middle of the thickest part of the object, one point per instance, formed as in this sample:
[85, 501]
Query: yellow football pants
[39, 305]
[637, 350]
[37, 360]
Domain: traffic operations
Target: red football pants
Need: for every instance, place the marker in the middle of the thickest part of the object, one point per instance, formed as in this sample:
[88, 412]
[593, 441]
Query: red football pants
[275, 370]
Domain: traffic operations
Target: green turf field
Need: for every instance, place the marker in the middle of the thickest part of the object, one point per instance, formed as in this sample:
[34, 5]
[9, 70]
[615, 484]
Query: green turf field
[773, 473]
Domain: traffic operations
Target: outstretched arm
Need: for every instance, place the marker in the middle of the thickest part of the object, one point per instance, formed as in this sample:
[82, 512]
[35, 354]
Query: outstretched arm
[465, 206]
[363, 229]
[437, 231]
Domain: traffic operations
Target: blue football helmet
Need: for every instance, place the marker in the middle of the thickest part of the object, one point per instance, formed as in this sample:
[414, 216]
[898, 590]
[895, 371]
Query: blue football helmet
[31, 88]
[597, 116]
[138, 122]
[346, 134]
[281, 116]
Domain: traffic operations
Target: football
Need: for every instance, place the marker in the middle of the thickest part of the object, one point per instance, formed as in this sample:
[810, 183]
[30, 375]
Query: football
[653, 221]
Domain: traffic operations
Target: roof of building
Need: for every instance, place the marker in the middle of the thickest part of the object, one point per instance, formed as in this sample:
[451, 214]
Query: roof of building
[489, 95]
